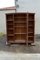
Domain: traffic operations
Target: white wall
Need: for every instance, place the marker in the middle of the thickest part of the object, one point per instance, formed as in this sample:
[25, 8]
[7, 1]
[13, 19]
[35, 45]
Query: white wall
[3, 20]
[31, 6]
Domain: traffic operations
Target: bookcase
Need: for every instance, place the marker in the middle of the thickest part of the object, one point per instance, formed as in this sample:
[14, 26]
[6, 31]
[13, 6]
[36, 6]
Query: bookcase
[20, 27]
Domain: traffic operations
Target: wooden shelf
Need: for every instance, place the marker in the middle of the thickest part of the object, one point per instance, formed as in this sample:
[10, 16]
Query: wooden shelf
[19, 26]
[30, 32]
[10, 24]
[30, 21]
[9, 20]
[19, 17]
[20, 33]
[19, 22]
[30, 25]
[30, 36]
[29, 41]
[10, 28]
[10, 34]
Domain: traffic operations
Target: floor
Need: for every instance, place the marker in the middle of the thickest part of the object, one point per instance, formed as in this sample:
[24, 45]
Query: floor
[11, 56]
[16, 48]
[19, 52]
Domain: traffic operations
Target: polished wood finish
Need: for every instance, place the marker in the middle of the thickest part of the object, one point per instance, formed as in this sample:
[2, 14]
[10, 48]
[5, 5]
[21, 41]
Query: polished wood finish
[20, 27]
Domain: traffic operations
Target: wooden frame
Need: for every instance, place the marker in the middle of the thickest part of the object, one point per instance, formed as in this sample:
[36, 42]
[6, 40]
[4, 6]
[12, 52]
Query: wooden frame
[21, 22]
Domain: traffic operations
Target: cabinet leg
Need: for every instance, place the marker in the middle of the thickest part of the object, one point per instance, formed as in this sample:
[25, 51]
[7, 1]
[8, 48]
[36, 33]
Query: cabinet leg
[27, 44]
[7, 43]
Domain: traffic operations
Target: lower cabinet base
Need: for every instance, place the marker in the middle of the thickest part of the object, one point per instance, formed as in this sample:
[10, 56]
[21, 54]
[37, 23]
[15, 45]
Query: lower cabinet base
[17, 42]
